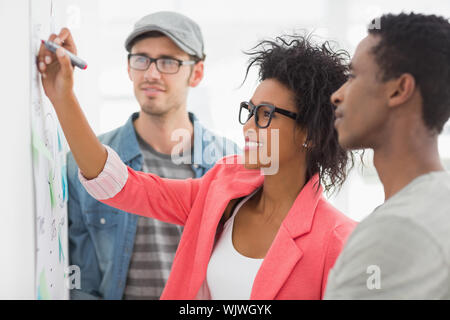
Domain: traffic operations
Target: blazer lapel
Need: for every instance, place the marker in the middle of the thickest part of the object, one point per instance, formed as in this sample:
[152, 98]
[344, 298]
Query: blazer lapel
[221, 191]
[285, 252]
[278, 264]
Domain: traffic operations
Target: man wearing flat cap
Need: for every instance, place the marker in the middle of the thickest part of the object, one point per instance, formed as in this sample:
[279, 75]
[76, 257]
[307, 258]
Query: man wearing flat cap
[125, 256]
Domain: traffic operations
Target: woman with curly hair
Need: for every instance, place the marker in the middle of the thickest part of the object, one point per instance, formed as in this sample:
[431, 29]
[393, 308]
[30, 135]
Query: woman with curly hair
[247, 235]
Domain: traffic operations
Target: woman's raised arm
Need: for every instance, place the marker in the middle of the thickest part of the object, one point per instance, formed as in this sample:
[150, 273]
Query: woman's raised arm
[57, 80]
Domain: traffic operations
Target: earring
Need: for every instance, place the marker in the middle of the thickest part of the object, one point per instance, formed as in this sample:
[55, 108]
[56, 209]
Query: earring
[305, 145]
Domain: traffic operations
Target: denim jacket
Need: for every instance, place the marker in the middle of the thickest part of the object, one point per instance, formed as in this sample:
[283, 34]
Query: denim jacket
[101, 238]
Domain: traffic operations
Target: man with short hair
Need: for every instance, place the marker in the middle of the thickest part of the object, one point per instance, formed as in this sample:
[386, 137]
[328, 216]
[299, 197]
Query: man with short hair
[123, 255]
[396, 102]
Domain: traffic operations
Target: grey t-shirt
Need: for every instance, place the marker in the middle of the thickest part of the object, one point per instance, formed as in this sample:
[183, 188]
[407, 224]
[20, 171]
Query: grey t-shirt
[156, 241]
[402, 249]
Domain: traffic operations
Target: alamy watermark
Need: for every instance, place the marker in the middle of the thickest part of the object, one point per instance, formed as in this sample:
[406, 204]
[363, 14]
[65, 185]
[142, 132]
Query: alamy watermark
[374, 280]
[72, 277]
[261, 149]
[368, 14]
[375, 24]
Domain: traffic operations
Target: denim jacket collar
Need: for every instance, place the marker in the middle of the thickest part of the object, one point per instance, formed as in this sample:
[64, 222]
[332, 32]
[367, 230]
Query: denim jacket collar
[128, 147]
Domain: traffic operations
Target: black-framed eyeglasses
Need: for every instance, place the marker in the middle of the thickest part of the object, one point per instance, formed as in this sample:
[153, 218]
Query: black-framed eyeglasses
[163, 65]
[263, 113]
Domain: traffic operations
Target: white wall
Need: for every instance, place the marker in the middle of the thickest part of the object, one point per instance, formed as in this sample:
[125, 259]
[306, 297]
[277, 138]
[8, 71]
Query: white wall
[16, 187]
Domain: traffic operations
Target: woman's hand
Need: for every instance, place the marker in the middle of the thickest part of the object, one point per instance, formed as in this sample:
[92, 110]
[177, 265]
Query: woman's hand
[57, 80]
[56, 69]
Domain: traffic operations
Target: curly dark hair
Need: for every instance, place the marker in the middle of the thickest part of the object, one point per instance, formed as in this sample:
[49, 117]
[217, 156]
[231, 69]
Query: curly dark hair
[419, 45]
[312, 72]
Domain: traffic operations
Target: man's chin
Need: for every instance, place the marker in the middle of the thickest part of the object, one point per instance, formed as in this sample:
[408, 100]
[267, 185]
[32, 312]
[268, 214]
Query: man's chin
[152, 109]
[349, 144]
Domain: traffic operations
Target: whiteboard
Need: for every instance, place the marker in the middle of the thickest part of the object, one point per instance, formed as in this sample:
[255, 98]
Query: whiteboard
[49, 150]
[34, 193]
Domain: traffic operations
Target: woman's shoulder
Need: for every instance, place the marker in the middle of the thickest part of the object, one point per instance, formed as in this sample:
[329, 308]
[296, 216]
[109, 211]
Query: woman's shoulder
[329, 214]
[231, 166]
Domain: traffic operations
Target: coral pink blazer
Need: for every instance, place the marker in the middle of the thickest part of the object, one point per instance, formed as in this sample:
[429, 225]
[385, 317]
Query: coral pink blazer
[296, 265]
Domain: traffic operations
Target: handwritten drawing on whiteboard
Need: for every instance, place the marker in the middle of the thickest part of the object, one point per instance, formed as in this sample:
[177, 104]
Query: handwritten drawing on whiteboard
[49, 169]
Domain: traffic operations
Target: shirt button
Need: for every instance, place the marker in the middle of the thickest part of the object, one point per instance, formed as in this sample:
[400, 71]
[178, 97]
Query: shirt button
[102, 220]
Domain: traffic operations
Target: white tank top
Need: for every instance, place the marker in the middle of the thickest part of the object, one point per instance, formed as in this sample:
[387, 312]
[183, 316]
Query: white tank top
[230, 275]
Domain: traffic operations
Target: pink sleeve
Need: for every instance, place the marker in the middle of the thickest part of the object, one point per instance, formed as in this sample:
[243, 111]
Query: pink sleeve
[110, 181]
[142, 193]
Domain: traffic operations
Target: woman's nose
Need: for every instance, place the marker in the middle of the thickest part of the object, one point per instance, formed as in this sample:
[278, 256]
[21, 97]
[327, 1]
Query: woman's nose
[250, 127]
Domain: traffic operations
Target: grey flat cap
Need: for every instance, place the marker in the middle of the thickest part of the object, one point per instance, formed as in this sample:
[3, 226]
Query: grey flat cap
[182, 30]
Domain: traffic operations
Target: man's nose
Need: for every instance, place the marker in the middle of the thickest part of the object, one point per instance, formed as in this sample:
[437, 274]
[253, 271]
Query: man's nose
[152, 72]
[336, 97]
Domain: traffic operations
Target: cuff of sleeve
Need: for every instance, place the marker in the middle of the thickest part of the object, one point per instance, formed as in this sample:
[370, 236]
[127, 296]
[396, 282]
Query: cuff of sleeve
[110, 181]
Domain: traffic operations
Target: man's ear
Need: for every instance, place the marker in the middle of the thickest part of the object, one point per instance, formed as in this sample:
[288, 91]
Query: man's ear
[401, 89]
[196, 74]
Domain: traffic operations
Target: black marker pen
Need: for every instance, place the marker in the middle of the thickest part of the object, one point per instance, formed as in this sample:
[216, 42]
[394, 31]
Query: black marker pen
[73, 58]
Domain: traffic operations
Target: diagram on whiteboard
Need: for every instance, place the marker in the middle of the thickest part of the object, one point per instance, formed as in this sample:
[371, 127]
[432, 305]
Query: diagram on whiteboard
[49, 168]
